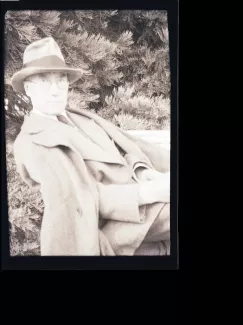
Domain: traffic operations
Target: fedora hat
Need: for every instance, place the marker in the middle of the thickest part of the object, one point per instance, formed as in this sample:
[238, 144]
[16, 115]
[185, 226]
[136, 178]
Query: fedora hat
[43, 56]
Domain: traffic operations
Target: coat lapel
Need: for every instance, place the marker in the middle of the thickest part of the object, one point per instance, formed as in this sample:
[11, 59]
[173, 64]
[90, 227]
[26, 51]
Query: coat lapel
[51, 133]
[119, 137]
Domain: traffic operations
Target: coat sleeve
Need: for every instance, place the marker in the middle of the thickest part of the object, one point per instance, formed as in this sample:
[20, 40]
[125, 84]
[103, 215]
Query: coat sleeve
[158, 156]
[134, 162]
[120, 202]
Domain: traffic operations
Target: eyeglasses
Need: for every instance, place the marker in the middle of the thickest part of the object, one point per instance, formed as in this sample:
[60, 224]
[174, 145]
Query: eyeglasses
[61, 84]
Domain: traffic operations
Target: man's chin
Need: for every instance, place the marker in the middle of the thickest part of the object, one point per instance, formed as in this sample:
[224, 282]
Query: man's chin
[56, 109]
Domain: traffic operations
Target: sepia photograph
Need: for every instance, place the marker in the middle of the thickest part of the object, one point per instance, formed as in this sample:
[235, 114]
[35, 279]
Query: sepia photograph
[87, 104]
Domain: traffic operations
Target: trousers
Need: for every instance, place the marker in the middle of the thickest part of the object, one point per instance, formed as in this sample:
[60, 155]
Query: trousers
[157, 239]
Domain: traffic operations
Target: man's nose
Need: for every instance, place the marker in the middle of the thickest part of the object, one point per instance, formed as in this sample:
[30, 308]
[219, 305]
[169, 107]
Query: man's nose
[54, 89]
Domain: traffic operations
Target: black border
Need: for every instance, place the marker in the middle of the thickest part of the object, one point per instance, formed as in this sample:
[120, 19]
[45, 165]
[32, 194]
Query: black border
[101, 263]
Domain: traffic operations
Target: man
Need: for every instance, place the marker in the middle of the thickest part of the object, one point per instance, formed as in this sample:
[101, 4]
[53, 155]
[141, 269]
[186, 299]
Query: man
[105, 192]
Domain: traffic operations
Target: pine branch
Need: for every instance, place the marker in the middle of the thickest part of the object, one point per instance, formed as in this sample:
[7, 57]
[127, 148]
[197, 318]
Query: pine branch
[129, 122]
[89, 83]
[12, 15]
[81, 100]
[64, 26]
[113, 78]
[153, 14]
[96, 47]
[48, 21]
[51, 18]
[108, 13]
[84, 14]
[26, 31]
[124, 41]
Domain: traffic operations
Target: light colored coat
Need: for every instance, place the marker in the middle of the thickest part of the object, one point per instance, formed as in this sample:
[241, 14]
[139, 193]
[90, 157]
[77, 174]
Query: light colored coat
[81, 183]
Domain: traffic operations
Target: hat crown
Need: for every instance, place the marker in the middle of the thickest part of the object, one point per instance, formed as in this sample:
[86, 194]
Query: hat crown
[42, 48]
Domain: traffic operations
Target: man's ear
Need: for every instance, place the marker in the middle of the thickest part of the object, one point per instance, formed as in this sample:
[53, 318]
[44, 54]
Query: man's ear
[26, 88]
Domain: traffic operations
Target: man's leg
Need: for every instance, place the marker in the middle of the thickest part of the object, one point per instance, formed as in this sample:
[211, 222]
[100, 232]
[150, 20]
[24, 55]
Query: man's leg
[160, 229]
[157, 240]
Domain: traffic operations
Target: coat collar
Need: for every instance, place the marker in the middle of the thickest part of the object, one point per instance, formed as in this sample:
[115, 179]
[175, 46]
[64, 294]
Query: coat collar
[50, 133]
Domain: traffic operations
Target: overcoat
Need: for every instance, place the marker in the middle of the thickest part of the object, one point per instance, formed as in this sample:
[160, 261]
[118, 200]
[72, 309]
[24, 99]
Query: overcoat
[90, 197]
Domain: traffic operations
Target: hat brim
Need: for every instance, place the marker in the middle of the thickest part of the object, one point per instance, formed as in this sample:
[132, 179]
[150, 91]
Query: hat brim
[19, 77]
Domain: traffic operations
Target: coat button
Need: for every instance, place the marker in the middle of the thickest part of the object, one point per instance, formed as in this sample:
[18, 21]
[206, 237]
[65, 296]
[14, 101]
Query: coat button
[79, 211]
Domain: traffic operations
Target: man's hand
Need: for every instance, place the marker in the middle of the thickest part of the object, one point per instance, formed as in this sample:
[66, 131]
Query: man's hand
[154, 187]
[145, 174]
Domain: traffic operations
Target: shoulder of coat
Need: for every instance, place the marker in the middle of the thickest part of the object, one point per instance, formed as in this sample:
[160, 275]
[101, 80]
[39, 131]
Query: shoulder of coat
[23, 146]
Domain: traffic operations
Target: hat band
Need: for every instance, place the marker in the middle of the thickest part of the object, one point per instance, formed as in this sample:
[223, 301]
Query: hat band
[46, 62]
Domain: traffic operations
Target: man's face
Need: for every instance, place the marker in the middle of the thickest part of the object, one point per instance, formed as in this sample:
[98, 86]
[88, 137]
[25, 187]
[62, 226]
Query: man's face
[48, 92]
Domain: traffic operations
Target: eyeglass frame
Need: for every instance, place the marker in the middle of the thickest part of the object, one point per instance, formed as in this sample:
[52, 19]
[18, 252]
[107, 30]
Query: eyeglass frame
[50, 83]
